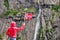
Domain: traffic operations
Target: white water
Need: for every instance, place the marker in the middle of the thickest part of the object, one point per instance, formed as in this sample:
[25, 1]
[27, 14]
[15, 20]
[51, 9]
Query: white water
[37, 25]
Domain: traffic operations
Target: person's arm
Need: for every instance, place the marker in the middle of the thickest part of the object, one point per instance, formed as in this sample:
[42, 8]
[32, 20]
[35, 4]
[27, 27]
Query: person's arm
[7, 32]
[21, 27]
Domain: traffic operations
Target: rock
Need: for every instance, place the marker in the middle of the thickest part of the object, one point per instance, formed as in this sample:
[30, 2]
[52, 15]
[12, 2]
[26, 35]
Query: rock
[2, 8]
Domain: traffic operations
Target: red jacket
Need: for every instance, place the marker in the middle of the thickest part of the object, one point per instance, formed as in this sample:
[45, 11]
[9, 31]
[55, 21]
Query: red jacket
[28, 16]
[12, 30]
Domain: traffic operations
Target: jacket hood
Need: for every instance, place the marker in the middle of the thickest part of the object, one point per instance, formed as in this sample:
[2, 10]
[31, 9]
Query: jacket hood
[13, 24]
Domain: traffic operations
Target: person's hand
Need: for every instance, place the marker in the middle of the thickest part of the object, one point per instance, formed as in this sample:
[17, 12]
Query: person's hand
[24, 23]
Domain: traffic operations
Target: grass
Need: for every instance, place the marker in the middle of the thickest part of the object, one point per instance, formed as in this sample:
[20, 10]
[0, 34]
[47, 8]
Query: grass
[55, 8]
[31, 9]
[10, 12]
[15, 12]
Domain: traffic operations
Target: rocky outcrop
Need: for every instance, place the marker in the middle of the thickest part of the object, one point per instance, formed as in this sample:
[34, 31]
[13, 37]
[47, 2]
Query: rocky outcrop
[2, 8]
[47, 1]
[51, 2]
[12, 3]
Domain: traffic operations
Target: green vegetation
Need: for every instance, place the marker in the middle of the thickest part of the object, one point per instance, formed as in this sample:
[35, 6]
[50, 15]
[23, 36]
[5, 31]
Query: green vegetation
[0, 37]
[7, 12]
[14, 12]
[6, 4]
[10, 12]
[56, 8]
[31, 9]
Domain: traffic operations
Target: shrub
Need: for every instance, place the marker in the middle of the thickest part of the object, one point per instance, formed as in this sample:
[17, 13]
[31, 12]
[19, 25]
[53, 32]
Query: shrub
[55, 8]
[14, 12]
[7, 12]
[6, 4]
